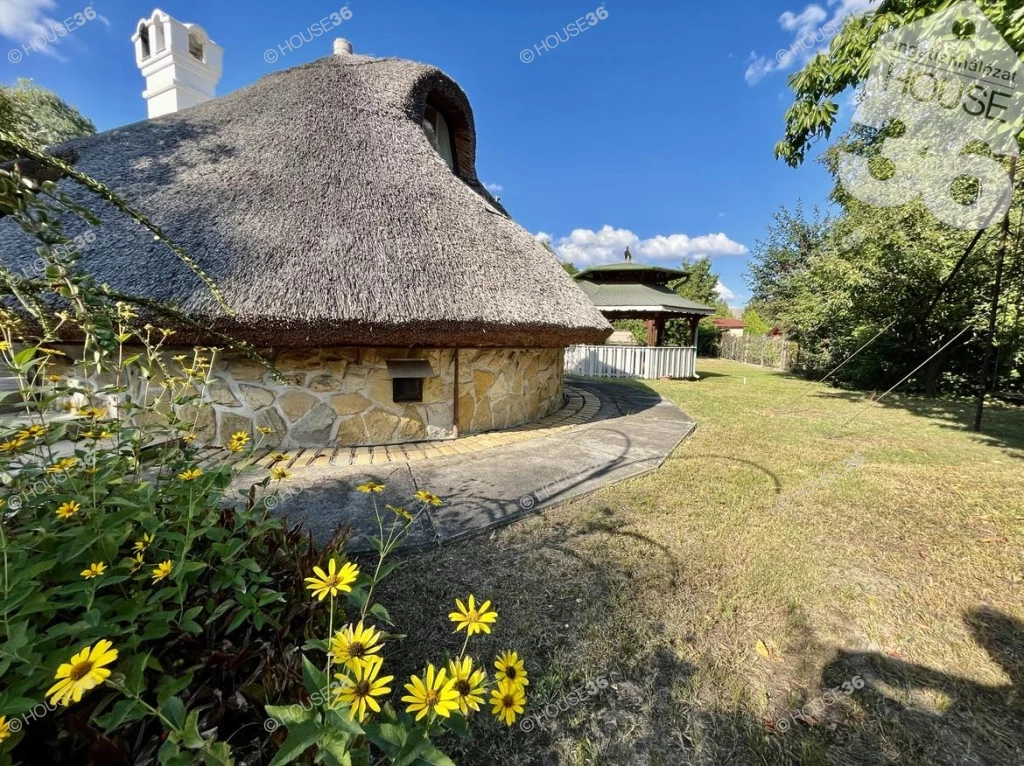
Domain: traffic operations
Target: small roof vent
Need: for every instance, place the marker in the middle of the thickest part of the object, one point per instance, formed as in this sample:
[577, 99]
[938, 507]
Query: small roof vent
[342, 47]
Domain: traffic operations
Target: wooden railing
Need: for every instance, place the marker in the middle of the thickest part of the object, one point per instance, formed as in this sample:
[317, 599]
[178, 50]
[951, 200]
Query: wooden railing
[648, 363]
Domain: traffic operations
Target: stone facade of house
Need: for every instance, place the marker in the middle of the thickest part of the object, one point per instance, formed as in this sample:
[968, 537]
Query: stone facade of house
[343, 396]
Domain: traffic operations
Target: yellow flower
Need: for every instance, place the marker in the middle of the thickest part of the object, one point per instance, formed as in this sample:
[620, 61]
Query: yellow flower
[358, 691]
[136, 563]
[68, 509]
[54, 378]
[31, 432]
[188, 438]
[85, 671]
[161, 571]
[12, 445]
[474, 619]
[333, 583]
[428, 497]
[265, 430]
[238, 441]
[371, 486]
[355, 646]
[145, 542]
[93, 412]
[400, 512]
[4, 345]
[280, 457]
[63, 465]
[94, 570]
[509, 700]
[511, 668]
[280, 473]
[469, 684]
[436, 695]
[5, 728]
[190, 474]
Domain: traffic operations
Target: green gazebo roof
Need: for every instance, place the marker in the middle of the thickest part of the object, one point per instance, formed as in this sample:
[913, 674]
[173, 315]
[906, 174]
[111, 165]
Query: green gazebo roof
[636, 297]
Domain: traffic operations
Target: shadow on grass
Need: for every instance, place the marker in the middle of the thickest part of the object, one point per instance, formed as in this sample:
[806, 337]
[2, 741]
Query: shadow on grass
[615, 681]
[1003, 426]
[981, 724]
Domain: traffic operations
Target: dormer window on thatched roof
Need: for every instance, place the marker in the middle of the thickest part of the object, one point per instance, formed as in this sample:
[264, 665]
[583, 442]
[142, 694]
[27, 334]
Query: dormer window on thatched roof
[436, 126]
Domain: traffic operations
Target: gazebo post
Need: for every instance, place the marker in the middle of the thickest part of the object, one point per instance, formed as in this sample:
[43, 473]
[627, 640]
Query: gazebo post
[694, 321]
[652, 332]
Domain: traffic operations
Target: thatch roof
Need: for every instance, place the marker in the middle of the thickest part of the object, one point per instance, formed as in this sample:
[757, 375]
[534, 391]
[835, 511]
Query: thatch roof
[318, 205]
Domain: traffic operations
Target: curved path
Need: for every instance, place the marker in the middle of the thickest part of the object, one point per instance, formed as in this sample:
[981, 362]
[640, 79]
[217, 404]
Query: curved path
[607, 433]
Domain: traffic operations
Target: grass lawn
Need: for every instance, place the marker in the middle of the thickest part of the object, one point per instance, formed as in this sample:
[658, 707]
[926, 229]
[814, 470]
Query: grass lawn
[686, 616]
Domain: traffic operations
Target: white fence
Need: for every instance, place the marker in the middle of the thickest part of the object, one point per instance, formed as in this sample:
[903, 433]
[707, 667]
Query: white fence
[645, 362]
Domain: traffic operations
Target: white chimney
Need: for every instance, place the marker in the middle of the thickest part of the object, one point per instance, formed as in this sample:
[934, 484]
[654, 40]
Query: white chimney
[180, 62]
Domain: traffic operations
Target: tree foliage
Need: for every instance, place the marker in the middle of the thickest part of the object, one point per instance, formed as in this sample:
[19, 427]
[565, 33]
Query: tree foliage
[40, 116]
[847, 63]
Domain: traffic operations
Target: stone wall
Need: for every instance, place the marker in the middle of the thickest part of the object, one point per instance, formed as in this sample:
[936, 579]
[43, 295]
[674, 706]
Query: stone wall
[343, 396]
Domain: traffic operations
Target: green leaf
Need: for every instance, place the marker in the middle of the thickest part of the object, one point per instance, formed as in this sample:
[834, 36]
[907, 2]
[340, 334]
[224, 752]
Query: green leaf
[290, 714]
[389, 737]
[381, 613]
[335, 743]
[174, 711]
[300, 738]
[190, 736]
[169, 686]
[313, 677]
[124, 711]
[218, 754]
[434, 757]
[415, 744]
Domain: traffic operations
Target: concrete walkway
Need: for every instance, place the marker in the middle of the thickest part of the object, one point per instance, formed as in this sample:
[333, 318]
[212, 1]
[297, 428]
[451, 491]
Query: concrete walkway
[632, 432]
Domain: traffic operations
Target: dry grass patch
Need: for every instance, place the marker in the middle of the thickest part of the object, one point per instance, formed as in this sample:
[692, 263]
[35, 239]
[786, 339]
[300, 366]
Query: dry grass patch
[906, 571]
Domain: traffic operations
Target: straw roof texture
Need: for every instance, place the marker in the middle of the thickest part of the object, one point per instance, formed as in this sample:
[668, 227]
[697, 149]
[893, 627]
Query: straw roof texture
[318, 205]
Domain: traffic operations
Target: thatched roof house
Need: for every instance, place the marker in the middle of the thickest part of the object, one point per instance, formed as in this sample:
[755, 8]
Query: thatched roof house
[337, 207]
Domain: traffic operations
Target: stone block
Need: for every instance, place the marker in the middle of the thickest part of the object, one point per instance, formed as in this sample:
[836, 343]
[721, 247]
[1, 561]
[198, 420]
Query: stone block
[321, 383]
[256, 396]
[350, 404]
[295, 404]
[314, 429]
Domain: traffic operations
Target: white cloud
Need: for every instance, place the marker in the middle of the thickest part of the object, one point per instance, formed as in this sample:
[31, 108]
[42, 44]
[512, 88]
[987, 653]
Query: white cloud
[22, 19]
[724, 292]
[811, 31]
[586, 247]
[494, 188]
[542, 236]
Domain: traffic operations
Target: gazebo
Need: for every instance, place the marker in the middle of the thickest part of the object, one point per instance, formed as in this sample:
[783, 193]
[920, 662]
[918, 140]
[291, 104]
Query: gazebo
[630, 290]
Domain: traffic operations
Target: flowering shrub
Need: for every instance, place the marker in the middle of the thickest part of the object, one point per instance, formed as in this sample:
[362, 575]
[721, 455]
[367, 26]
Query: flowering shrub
[352, 718]
[135, 595]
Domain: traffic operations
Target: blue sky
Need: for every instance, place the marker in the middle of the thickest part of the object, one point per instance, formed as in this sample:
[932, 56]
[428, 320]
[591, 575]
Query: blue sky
[653, 128]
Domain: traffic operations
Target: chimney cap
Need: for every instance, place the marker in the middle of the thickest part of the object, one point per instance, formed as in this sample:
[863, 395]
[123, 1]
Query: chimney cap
[342, 47]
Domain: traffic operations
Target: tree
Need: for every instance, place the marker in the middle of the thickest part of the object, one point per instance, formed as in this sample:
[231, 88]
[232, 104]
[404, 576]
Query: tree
[570, 269]
[755, 324]
[699, 283]
[40, 116]
[846, 64]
